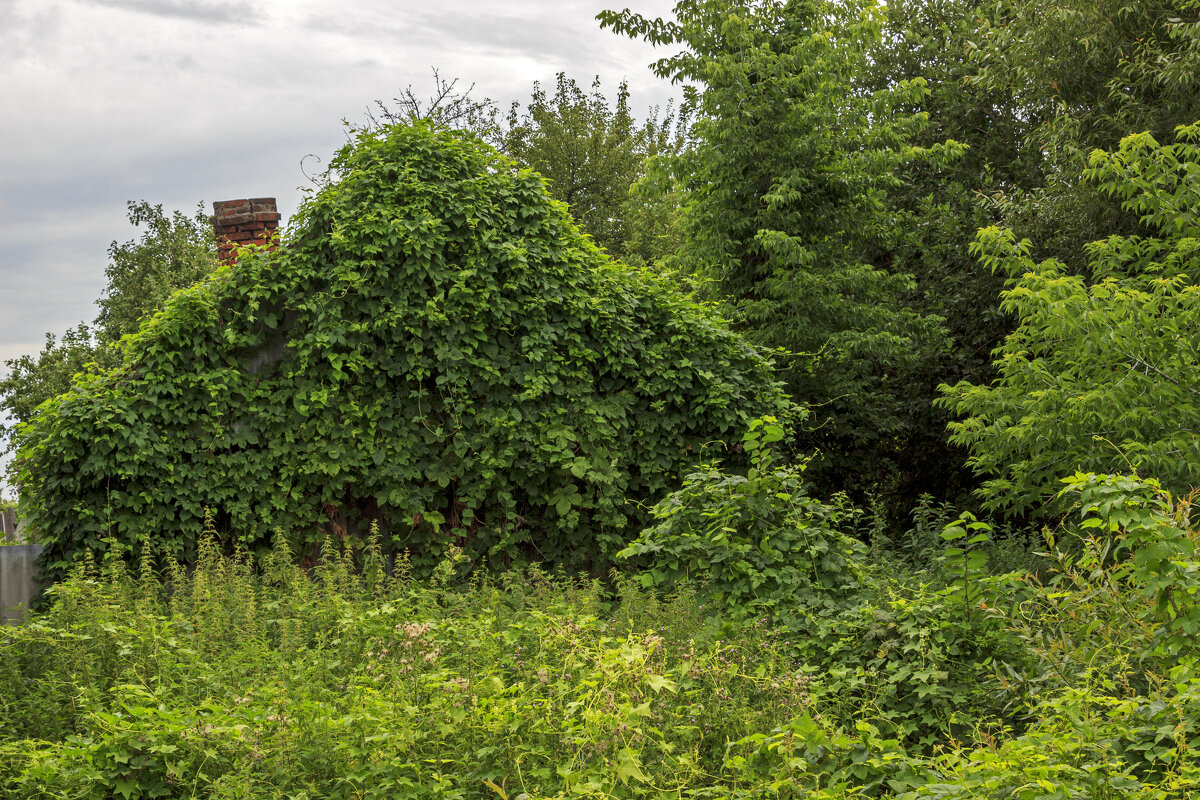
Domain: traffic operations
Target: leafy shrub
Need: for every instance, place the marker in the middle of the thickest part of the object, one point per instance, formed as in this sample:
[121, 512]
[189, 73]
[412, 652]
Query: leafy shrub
[1154, 551]
[911, 659]
[436, 346]
[917, 653]
[758, 542]
[824, 762]
[1079, 749]
[1112, 684]
[1123, 582]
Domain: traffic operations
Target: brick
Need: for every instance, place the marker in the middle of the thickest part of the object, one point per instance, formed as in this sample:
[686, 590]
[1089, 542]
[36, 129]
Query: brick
[224, 208]
[237, 219]
[237, 223]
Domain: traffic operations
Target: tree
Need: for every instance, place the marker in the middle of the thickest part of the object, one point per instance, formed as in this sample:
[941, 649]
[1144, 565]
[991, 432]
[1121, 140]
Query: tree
[936, 209]
[32, 380]
[1102, 372]
[1085, 73]
[1030, 89]
[940, 206]
[589, 153]
[445, 106]
[787, 210]
[173, 252]
[594, 157]
[435, 348]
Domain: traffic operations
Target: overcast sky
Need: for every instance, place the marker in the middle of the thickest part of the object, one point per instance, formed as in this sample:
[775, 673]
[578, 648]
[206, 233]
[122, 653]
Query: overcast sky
[182, 101]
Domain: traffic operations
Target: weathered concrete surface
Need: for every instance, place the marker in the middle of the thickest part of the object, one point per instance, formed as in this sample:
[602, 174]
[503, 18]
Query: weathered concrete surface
[18, 565]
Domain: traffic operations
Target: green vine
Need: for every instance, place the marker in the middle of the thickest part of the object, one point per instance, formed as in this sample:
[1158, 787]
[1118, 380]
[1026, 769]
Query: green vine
[435, 347]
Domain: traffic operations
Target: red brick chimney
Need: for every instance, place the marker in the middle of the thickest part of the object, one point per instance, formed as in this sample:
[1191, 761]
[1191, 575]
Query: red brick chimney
[238, 223]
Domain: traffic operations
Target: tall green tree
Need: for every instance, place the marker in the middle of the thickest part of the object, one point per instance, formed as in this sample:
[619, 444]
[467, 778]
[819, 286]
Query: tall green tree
[34, 378]
[175, 250]
[1085, 73]
[940, 206]
[591, 153]
[1103, 371]
[1030, 88]
[936, 210]
[787, 213]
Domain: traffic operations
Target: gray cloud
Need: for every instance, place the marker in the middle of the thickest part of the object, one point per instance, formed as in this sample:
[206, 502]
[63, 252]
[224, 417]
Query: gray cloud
[23, 28]
[223, 11]
[537, 32]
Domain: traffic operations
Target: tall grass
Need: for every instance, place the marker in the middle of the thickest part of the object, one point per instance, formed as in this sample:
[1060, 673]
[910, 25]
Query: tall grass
[350, 679]
[353, 681]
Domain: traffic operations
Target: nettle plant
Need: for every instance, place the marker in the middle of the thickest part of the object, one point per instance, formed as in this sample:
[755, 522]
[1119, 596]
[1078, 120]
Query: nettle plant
[435, 347]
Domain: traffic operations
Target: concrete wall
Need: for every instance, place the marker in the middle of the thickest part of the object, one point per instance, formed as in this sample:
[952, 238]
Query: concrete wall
[18, 565]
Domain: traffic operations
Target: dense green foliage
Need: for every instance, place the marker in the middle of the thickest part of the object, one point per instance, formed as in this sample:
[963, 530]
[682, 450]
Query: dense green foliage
[173, 252]
[893, 196]
[788, 213]
[936, 210]
[759, 541]
[436, 348]
[590, 155]
[1085, 74]
[843, 151]
[1102, 371]
[349, 682]
[230, 685]
[760, 547]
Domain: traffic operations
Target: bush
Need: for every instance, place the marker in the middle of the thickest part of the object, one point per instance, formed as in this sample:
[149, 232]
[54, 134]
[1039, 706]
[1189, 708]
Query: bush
[913, 657]
[436, 347]
[758, 542]
[1113, 689]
